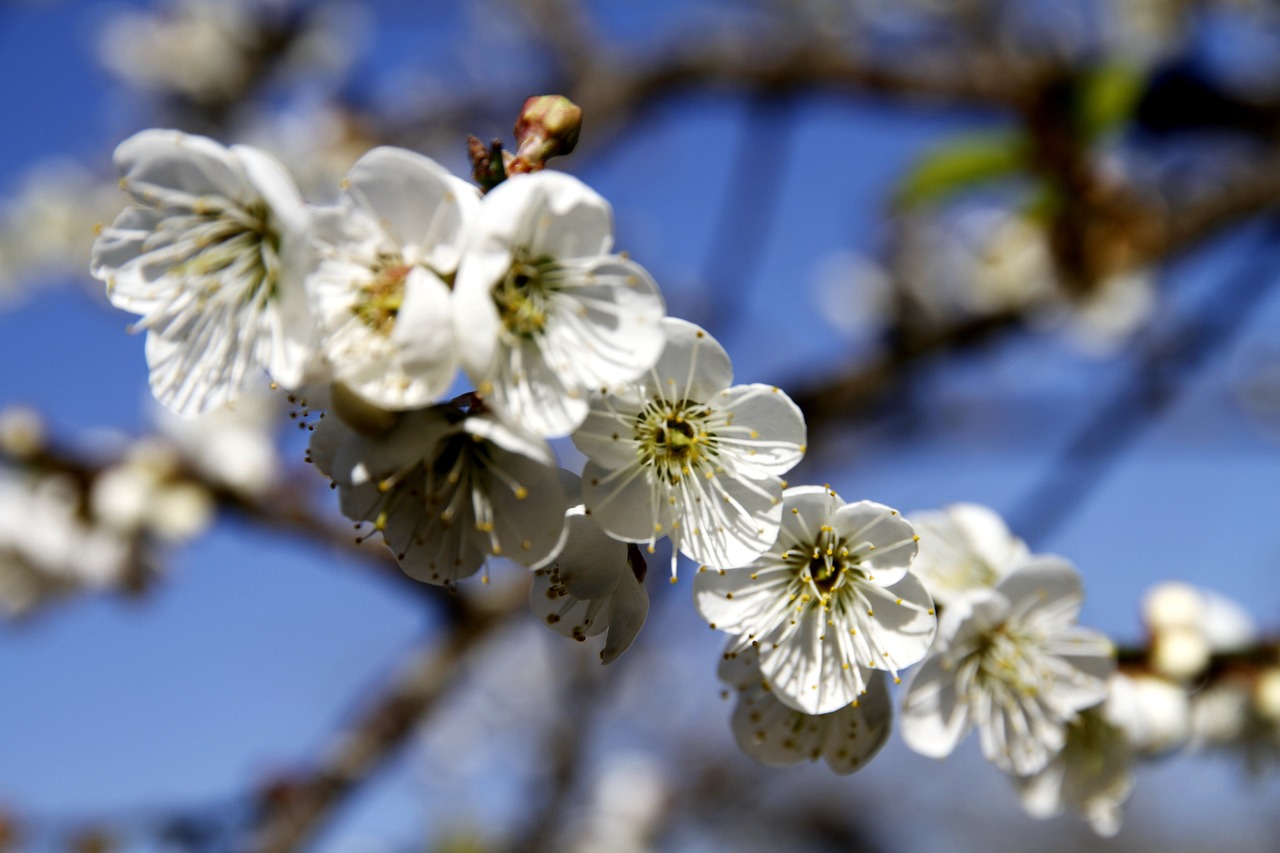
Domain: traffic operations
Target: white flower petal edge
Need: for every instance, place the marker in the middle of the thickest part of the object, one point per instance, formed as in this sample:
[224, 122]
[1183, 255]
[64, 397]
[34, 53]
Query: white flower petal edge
[543, 315]
[443, 493]
[963, 547]
[214, 263]
[1012, 662]
[828, 603]
[780, 736]
[381, 297]
[591, 586]
[679, 454]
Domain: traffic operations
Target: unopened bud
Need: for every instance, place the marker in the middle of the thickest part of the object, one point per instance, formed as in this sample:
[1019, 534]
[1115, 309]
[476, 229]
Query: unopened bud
[488, 162]
[548, 127]
[21, 432]
[1179, 653]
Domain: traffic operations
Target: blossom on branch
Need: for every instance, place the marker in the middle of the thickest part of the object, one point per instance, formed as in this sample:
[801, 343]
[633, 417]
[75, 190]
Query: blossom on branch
[595, 584]
[213, 260]
[962, 547]
[447, 487]
[777, 735]
[828, 604]
[544, 313]
[1012, 662]
[381, 290]
[680, 453]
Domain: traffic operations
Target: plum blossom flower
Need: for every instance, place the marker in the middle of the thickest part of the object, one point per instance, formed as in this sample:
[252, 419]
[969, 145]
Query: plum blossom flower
[963, 546]
[447, 487]
[778, 735]
[380, 290]
[829, 602]
[213, 260]
[544, 313]
[1092, 774]
[594, 584]
[1011, 661]
[681, 453]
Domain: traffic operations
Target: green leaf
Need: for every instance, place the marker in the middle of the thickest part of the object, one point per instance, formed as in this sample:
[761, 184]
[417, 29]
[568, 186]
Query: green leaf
[962, 163]
[1107, 97]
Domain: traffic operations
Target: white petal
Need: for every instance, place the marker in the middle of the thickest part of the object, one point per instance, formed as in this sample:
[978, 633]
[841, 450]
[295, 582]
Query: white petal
[766, 431]
[419, 204]
[880, 536]
[551, 213]
[693, 365]
[623, 503]
[606, 437]
[416, 365]
[627, 612]
[1045, 590]
[155, 163]
[934, 718]
[725, 521]
[510, 437]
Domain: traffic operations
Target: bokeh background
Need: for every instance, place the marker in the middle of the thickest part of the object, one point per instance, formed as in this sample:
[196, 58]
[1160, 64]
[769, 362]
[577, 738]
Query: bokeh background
[1011, 252]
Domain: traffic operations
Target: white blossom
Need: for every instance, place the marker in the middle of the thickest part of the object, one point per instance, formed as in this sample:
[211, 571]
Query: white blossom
[544, 312]
[447, 488]
[1188, 625]
[829, 602]
[213, 260]
[680, 453]
[233, 445]
[47, 548]
[963, 546]
[778, 735]
[595, 583]
[381, 293]
[1092, 774]
[1012, 662]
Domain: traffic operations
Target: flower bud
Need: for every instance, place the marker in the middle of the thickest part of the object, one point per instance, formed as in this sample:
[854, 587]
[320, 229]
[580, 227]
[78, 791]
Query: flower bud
[548, 126]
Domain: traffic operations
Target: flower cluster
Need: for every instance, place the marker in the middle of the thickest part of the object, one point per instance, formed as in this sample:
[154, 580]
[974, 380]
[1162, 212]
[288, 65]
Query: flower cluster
[437, 336]
[371, 309]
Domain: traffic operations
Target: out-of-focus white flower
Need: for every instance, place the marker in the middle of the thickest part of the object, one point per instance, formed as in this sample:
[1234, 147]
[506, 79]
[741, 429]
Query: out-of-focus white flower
[143, 494]
[1188, 625]
[829, 602]
[592, 585]
[1012, 662]
[682, 454]
[963, 547]
[47, 548]
[544, 313]
[1237, 714]
[381, 299]
[1092, 774]
[1154, 713]
[446, 488]
[210, 50]
[21, 432]
[233, 445]
[778, 735]
[627, 807]
[46, 230]
[1109, 313]
[213, 262]
[978, 261]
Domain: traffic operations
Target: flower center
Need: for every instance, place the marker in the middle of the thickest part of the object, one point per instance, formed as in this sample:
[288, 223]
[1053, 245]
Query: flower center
[382, 296]
[673, 437]
[220, 239]
[828, 563]
[521, 296]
